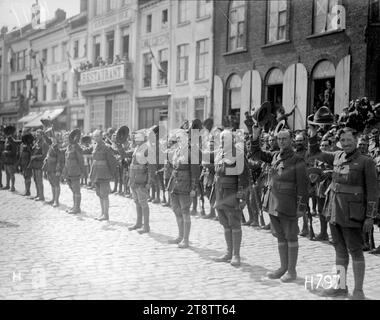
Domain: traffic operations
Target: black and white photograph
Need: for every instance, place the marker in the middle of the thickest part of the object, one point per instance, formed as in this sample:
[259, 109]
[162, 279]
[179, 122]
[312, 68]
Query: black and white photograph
[208, 151]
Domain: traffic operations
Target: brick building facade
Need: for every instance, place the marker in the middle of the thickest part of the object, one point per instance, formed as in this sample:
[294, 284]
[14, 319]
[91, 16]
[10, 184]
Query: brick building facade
[286, 51]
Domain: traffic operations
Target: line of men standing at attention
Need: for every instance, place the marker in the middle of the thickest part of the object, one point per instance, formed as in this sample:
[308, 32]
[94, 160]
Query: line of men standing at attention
[350, 198]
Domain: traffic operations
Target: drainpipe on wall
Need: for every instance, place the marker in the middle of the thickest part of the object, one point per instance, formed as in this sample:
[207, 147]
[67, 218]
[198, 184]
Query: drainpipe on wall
[211, 111]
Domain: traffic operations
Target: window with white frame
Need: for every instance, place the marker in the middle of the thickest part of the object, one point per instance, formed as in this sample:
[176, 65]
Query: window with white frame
[203, 8]
[326, 16]
[183, 11]
[54, 85]
[182, 63]
[149, 23]
[147, 72]
[163, 72]
[76, 49]
[277, 20]
[199, 108]
[164, 19]
[125, 44]
[54, 54]
[237, 25]
[180, 110]
[64, 51]
[202, 59]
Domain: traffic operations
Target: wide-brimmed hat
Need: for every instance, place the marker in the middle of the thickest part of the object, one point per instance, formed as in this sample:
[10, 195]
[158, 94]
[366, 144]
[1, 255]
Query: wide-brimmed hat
[263, 114]
[27, 138]
[323, 116]
[9, 130]
[74, 136]
[122, 134]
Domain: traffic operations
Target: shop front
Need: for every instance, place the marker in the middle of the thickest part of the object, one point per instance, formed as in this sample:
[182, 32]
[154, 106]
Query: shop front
[108, 93]
[153, 111]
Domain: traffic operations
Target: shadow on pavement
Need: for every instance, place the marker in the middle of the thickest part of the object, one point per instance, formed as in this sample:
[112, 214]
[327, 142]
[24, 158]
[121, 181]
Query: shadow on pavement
[159, 237]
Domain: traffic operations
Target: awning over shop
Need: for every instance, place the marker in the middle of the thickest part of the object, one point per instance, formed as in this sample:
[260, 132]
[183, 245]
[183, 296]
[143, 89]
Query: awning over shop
[29, 117]
[49, 114]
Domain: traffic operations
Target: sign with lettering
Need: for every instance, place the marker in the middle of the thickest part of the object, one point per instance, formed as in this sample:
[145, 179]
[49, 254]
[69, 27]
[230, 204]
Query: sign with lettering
[155, 41]
[104, 74]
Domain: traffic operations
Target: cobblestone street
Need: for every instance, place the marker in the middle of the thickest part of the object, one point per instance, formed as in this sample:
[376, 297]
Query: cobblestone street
[47, 254]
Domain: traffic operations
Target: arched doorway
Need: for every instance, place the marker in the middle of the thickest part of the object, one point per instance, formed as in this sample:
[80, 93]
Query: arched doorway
[233, 101]
[323, 85]
[274, 83]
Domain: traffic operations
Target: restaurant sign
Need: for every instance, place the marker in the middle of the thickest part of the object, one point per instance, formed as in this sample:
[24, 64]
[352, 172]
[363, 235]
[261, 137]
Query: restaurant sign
[104, 74]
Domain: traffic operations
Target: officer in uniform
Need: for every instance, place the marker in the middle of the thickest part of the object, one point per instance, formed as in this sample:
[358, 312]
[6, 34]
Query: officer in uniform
[39, 152]
[230, 188]
[103, 170]
[24, 161]
[352, 202]
[10, 157]
[54, 164]
[183, 185]
[285, 200]
[74, 169]
[138, 177]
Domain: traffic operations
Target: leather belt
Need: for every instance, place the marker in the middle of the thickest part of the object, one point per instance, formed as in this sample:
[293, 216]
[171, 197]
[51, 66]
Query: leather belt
[346, 188]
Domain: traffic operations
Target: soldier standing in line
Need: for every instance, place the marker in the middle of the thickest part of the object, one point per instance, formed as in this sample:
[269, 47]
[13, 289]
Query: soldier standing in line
[352, 202]
[53, 165]
[74, 169]
[39, 152]
[2, 143]
[24, 160]
[230, 187]
[138, 177]
[286, 199]
[10, 157]
[183, 185]
[103, 169]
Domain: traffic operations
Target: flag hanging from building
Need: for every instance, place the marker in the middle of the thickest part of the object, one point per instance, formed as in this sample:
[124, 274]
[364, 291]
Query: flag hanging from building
[71, 63]
[11, 58]
[42, 69]
[39, 16]
[152, 56]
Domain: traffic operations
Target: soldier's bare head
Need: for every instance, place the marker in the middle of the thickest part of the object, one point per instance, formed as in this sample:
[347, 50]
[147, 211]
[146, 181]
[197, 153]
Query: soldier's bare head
[348, 139]
[284, 139]
[97, 135]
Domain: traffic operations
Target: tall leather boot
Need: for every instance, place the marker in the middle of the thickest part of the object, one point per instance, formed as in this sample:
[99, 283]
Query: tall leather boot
[13, 180]
[195, 205]
[283, 253]
[228, 256]
[186, 232]
[56, 197]
[27, 188]
[138, 224]
[53, 196]
[105, 209]
[250, 213]
[323, 236]
[146, 227]
[72, 208]
[77, 201]
[236, 243]
[291, 274]
[305, 227]
[341, 290]
[181, 227]
[101, 216]
[157, 198]
[358, 267]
